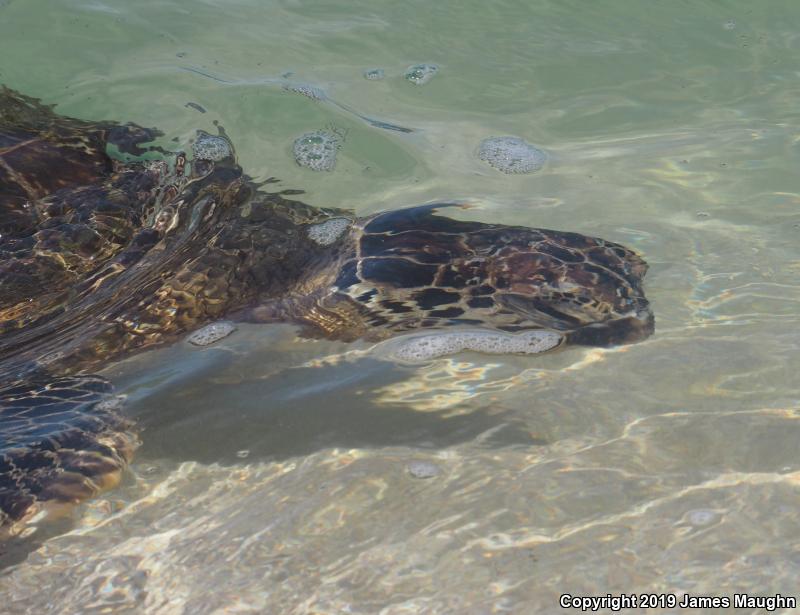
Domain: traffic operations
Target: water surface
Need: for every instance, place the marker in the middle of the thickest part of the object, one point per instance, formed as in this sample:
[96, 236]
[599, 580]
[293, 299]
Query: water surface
[274, 471]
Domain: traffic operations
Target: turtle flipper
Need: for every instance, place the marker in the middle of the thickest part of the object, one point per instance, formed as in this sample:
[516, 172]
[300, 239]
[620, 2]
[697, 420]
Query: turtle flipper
[63, 442]
[414, 269]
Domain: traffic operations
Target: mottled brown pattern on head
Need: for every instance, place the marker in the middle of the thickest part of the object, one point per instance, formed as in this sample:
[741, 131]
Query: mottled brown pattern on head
[524, 272]
[504, 277]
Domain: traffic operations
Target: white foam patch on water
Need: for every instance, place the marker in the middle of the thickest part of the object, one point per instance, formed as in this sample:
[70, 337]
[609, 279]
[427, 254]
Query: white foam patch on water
[211, 333]
[317, 150]
[511, 155]
[374, 74]
[309, 91]
[418, 348]
[211, 147]
[423, 469]
[326, 233]
[420, 74]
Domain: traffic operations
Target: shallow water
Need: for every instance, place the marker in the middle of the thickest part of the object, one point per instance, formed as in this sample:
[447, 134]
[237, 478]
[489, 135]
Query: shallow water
[274, 475]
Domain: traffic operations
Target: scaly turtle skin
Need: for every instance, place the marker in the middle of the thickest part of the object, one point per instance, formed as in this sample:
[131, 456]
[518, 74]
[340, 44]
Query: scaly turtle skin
[101, 258]
[411, 269]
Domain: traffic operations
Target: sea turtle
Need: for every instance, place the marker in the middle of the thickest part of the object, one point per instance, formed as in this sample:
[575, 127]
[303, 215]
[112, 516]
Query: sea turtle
[103, 255]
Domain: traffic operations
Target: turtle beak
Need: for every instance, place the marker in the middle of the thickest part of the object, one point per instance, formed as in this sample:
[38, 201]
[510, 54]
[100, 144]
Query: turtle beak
[628, 330]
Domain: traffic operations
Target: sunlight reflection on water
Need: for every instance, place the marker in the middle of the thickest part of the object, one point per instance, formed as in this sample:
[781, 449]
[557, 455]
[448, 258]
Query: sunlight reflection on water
[666, 466]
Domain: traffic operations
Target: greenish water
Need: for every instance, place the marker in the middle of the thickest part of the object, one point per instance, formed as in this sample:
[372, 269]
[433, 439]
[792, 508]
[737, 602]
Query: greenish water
[274, 472]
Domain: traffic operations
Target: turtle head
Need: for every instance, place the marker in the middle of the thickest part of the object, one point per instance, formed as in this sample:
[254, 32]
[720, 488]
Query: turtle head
[411, 270]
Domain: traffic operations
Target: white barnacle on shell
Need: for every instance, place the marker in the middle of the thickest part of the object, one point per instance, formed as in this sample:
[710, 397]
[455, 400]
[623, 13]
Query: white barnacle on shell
[211, 333]
[326, 233]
